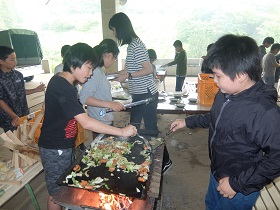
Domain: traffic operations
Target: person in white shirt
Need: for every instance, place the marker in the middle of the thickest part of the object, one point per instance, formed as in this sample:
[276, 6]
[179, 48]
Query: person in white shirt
[59, 67]
[269, 65]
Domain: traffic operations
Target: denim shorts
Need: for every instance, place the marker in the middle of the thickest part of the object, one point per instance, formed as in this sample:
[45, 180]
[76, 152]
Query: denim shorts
[55, 162]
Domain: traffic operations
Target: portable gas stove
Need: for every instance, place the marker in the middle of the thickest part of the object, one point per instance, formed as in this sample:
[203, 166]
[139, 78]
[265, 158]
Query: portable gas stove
[78, 199]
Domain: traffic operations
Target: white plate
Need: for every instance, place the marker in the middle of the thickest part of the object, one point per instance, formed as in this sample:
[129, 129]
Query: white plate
[180, 105]
[112, 76]
[160, 98]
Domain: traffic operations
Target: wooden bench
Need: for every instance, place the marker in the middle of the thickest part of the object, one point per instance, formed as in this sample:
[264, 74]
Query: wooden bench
[269, 198]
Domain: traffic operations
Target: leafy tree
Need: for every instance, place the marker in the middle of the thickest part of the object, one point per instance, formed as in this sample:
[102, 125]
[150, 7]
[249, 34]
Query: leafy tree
[9, 18]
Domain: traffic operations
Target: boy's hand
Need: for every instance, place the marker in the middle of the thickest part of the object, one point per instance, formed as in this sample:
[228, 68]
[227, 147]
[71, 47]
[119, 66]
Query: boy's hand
[178, 123]
[116, 106]
[129, 130]
[225, 189]
[41, 87]
[15, 121]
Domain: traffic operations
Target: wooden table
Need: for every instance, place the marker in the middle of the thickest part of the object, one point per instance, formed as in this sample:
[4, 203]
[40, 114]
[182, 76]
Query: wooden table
[10, 190]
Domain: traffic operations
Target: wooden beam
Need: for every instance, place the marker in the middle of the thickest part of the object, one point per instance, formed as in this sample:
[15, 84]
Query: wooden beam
[14, 138]
[35, 125]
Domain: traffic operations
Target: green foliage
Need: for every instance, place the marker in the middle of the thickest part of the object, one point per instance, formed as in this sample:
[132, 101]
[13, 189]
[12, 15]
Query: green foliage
[196, 23]
[60, 26]
[9, 19]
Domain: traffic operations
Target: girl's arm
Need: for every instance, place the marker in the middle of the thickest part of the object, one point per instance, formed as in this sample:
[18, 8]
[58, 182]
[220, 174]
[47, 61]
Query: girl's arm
[114, 105]
[146, 70]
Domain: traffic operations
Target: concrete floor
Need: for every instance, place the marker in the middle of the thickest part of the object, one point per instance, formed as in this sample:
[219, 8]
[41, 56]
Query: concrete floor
[184, 186]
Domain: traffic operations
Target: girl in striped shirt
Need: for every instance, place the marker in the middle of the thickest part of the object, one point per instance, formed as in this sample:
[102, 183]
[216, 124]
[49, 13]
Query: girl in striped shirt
[139, 72]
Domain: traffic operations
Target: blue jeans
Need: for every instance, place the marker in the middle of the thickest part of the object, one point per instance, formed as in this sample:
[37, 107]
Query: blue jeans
[215, 201]
[147, 112]
[179, 83]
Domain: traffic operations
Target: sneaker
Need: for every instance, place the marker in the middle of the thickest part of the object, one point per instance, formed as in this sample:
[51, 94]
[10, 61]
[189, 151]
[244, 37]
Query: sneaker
[167, 166]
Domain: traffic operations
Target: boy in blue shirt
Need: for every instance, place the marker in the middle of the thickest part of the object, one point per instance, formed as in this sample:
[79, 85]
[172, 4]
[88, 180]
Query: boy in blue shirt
[13, 103]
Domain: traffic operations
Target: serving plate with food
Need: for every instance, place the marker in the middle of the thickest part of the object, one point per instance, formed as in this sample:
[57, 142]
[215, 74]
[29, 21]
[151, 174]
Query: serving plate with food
[121, 96]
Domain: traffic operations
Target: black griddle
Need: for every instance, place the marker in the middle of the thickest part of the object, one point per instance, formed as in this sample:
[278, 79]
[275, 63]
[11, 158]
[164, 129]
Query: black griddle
[120, 183]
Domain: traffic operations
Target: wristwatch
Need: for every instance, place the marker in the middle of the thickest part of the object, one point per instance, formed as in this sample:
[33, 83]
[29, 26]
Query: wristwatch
[129, 76]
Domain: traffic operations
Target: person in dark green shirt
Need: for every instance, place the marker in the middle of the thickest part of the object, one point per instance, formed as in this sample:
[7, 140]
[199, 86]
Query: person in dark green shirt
[181, 61]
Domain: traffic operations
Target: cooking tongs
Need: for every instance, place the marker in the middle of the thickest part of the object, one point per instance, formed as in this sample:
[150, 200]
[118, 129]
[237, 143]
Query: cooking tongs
[146, 101]
[163, 137]
[145, 141]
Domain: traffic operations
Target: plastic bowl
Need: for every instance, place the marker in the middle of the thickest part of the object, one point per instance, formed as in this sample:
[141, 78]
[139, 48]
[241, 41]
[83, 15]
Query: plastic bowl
[174, 100]
[192, 100]
[178, 94]
[180, 105]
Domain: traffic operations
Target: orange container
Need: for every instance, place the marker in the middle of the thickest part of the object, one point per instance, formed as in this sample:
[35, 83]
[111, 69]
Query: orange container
[31, 117]
[206, 89]
[30, 121]
[81, 135]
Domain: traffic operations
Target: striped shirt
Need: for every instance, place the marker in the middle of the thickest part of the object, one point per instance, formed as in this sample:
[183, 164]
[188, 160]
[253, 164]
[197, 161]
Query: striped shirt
[136, 55]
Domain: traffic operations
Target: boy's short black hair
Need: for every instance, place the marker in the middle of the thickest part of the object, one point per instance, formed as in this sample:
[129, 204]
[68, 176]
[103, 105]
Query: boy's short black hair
[152, 54]
[5, 52]
[177, 43]
[236, 55]
[268, 40]
[77, 55]
[275, 46]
